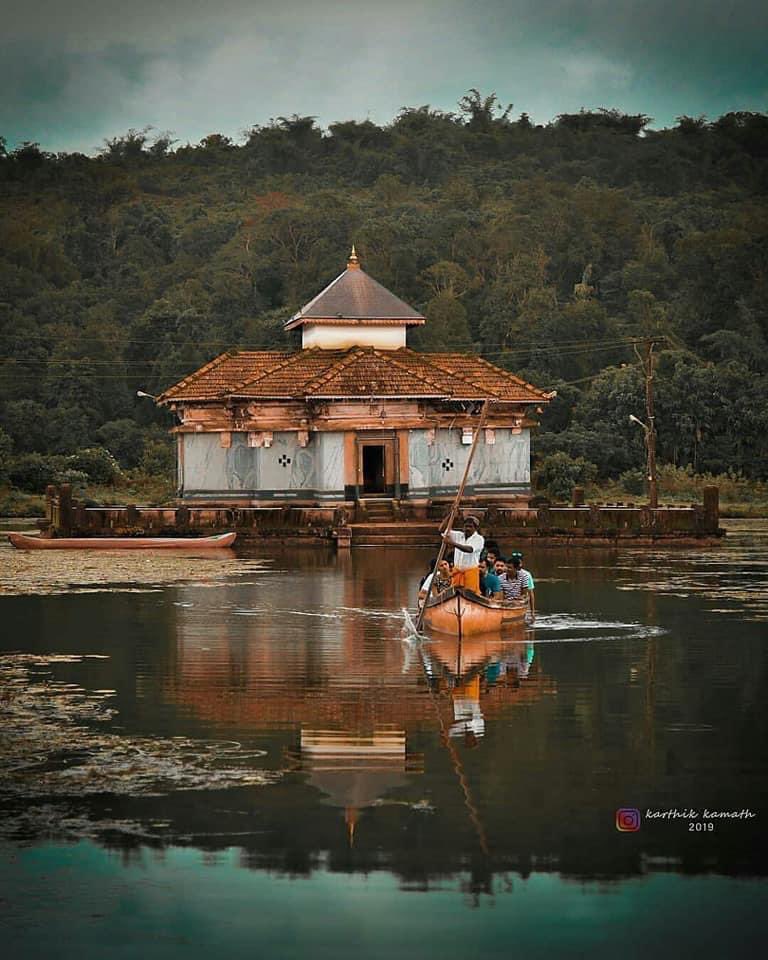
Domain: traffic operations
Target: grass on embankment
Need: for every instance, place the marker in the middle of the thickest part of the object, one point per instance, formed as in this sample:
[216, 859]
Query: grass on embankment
[678, 486]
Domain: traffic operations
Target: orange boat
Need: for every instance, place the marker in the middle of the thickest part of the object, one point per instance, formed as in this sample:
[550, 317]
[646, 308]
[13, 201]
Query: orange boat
[22, 542]
[460, 612]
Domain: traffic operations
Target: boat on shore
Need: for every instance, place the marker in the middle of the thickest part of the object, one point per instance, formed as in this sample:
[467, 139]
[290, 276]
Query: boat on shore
[460, 612]
[23, 542]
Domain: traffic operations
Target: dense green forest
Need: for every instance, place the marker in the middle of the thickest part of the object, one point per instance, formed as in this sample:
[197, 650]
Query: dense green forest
[544, 248]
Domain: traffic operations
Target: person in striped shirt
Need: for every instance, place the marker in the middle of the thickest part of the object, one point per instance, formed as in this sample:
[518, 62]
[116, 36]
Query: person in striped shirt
[530, 584]
[514, 583]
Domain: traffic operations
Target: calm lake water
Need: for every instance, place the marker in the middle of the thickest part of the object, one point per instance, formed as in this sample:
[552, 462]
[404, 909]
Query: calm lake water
[243, 753]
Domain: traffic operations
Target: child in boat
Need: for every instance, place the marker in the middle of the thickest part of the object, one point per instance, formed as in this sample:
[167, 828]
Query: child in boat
[467, 546]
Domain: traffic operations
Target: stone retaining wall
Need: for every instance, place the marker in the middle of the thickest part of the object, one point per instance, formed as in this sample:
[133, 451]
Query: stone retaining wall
[589, 523]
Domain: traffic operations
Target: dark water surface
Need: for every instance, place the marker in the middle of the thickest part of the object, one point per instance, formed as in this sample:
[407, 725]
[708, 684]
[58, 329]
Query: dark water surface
[242, 753]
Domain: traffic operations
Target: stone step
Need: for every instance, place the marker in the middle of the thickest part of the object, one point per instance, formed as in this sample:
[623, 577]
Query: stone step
[395, 539]
[393, 527]
[379, 540]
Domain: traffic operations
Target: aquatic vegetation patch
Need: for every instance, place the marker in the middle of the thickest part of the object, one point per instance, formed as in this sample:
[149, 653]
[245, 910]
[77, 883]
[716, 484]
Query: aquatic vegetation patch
[81, 571]
[51, 745]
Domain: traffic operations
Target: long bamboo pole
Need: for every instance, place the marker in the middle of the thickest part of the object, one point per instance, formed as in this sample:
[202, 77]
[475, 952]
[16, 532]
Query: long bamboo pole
[454, 509]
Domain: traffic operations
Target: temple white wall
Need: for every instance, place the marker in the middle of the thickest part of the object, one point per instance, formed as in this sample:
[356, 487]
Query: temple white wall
[437, 465]
[284, 470]
[331, 447]
[207, 465]
[343, 336]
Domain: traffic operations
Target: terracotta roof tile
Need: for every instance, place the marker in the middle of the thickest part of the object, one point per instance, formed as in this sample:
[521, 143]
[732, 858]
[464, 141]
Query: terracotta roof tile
[288, 377]
[356, 372]
[374, 373]
[482, 374]
[218, 377]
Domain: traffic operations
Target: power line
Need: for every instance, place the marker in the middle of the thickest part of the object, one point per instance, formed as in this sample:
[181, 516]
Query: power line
[80, 360]
[202, 343]
[565, 349]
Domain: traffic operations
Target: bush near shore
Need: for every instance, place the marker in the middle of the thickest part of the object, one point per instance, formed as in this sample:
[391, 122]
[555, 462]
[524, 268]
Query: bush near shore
[96, 476]
[137, 488]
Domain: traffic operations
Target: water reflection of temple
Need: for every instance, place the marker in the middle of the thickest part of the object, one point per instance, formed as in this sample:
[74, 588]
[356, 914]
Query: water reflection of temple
[316, 646]
[335, 671]
[354, 770]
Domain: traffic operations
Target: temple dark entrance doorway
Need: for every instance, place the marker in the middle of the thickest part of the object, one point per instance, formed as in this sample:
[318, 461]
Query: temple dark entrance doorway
[373, 468]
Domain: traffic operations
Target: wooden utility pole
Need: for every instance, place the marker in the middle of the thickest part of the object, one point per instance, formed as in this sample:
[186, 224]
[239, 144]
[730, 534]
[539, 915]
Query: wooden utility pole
[647, 361]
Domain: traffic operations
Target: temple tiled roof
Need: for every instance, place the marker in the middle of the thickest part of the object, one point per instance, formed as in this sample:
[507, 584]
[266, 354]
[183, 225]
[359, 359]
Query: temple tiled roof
[358, 372]
[353, 295]
[217, 378]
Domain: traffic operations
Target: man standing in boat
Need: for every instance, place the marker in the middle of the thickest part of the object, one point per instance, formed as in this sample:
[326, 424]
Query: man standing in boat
[468, 544]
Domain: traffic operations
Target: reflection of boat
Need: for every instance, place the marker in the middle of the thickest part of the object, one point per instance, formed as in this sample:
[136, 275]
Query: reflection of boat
[461, 658]
[462, 613]
[469, 668]
[22, 542]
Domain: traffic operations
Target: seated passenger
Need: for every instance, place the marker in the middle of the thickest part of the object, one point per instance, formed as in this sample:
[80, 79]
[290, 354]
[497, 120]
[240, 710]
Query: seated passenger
[490, 584]
[430, 571]
[514, 586]
[530, 584]
[442, 583]
[491, 547]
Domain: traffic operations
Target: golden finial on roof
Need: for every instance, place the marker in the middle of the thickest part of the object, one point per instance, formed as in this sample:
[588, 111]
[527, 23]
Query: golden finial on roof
[354, 261]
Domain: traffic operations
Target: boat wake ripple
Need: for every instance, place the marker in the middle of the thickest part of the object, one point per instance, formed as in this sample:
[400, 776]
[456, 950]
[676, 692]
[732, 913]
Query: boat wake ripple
[566, 627]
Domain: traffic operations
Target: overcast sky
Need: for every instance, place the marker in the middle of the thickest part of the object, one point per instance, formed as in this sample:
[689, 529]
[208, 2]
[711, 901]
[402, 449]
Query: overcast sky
[73, 72]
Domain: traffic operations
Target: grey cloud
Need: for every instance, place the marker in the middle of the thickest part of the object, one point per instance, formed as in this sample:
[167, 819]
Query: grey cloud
[75, 73]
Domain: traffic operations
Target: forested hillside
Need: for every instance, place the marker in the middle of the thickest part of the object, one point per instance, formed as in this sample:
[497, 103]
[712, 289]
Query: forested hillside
[544, 248]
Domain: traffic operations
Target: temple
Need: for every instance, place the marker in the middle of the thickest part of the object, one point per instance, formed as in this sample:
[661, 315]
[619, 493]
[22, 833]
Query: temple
[354, 418]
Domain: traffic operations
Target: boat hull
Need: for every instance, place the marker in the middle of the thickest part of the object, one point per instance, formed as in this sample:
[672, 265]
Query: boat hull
[459, 612]
[23, 542]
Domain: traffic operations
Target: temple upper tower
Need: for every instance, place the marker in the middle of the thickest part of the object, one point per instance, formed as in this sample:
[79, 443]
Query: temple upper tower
[354, 310]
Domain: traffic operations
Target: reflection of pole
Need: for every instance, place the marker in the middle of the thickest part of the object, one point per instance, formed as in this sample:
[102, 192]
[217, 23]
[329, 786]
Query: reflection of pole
[474, 814]
[650, 701]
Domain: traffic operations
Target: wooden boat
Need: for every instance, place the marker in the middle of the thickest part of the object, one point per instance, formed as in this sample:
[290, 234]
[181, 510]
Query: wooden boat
[23, 542]
[461, 613]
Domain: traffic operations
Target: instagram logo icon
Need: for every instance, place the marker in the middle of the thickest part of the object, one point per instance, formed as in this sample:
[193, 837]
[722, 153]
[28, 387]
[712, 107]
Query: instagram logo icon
[627, 819]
